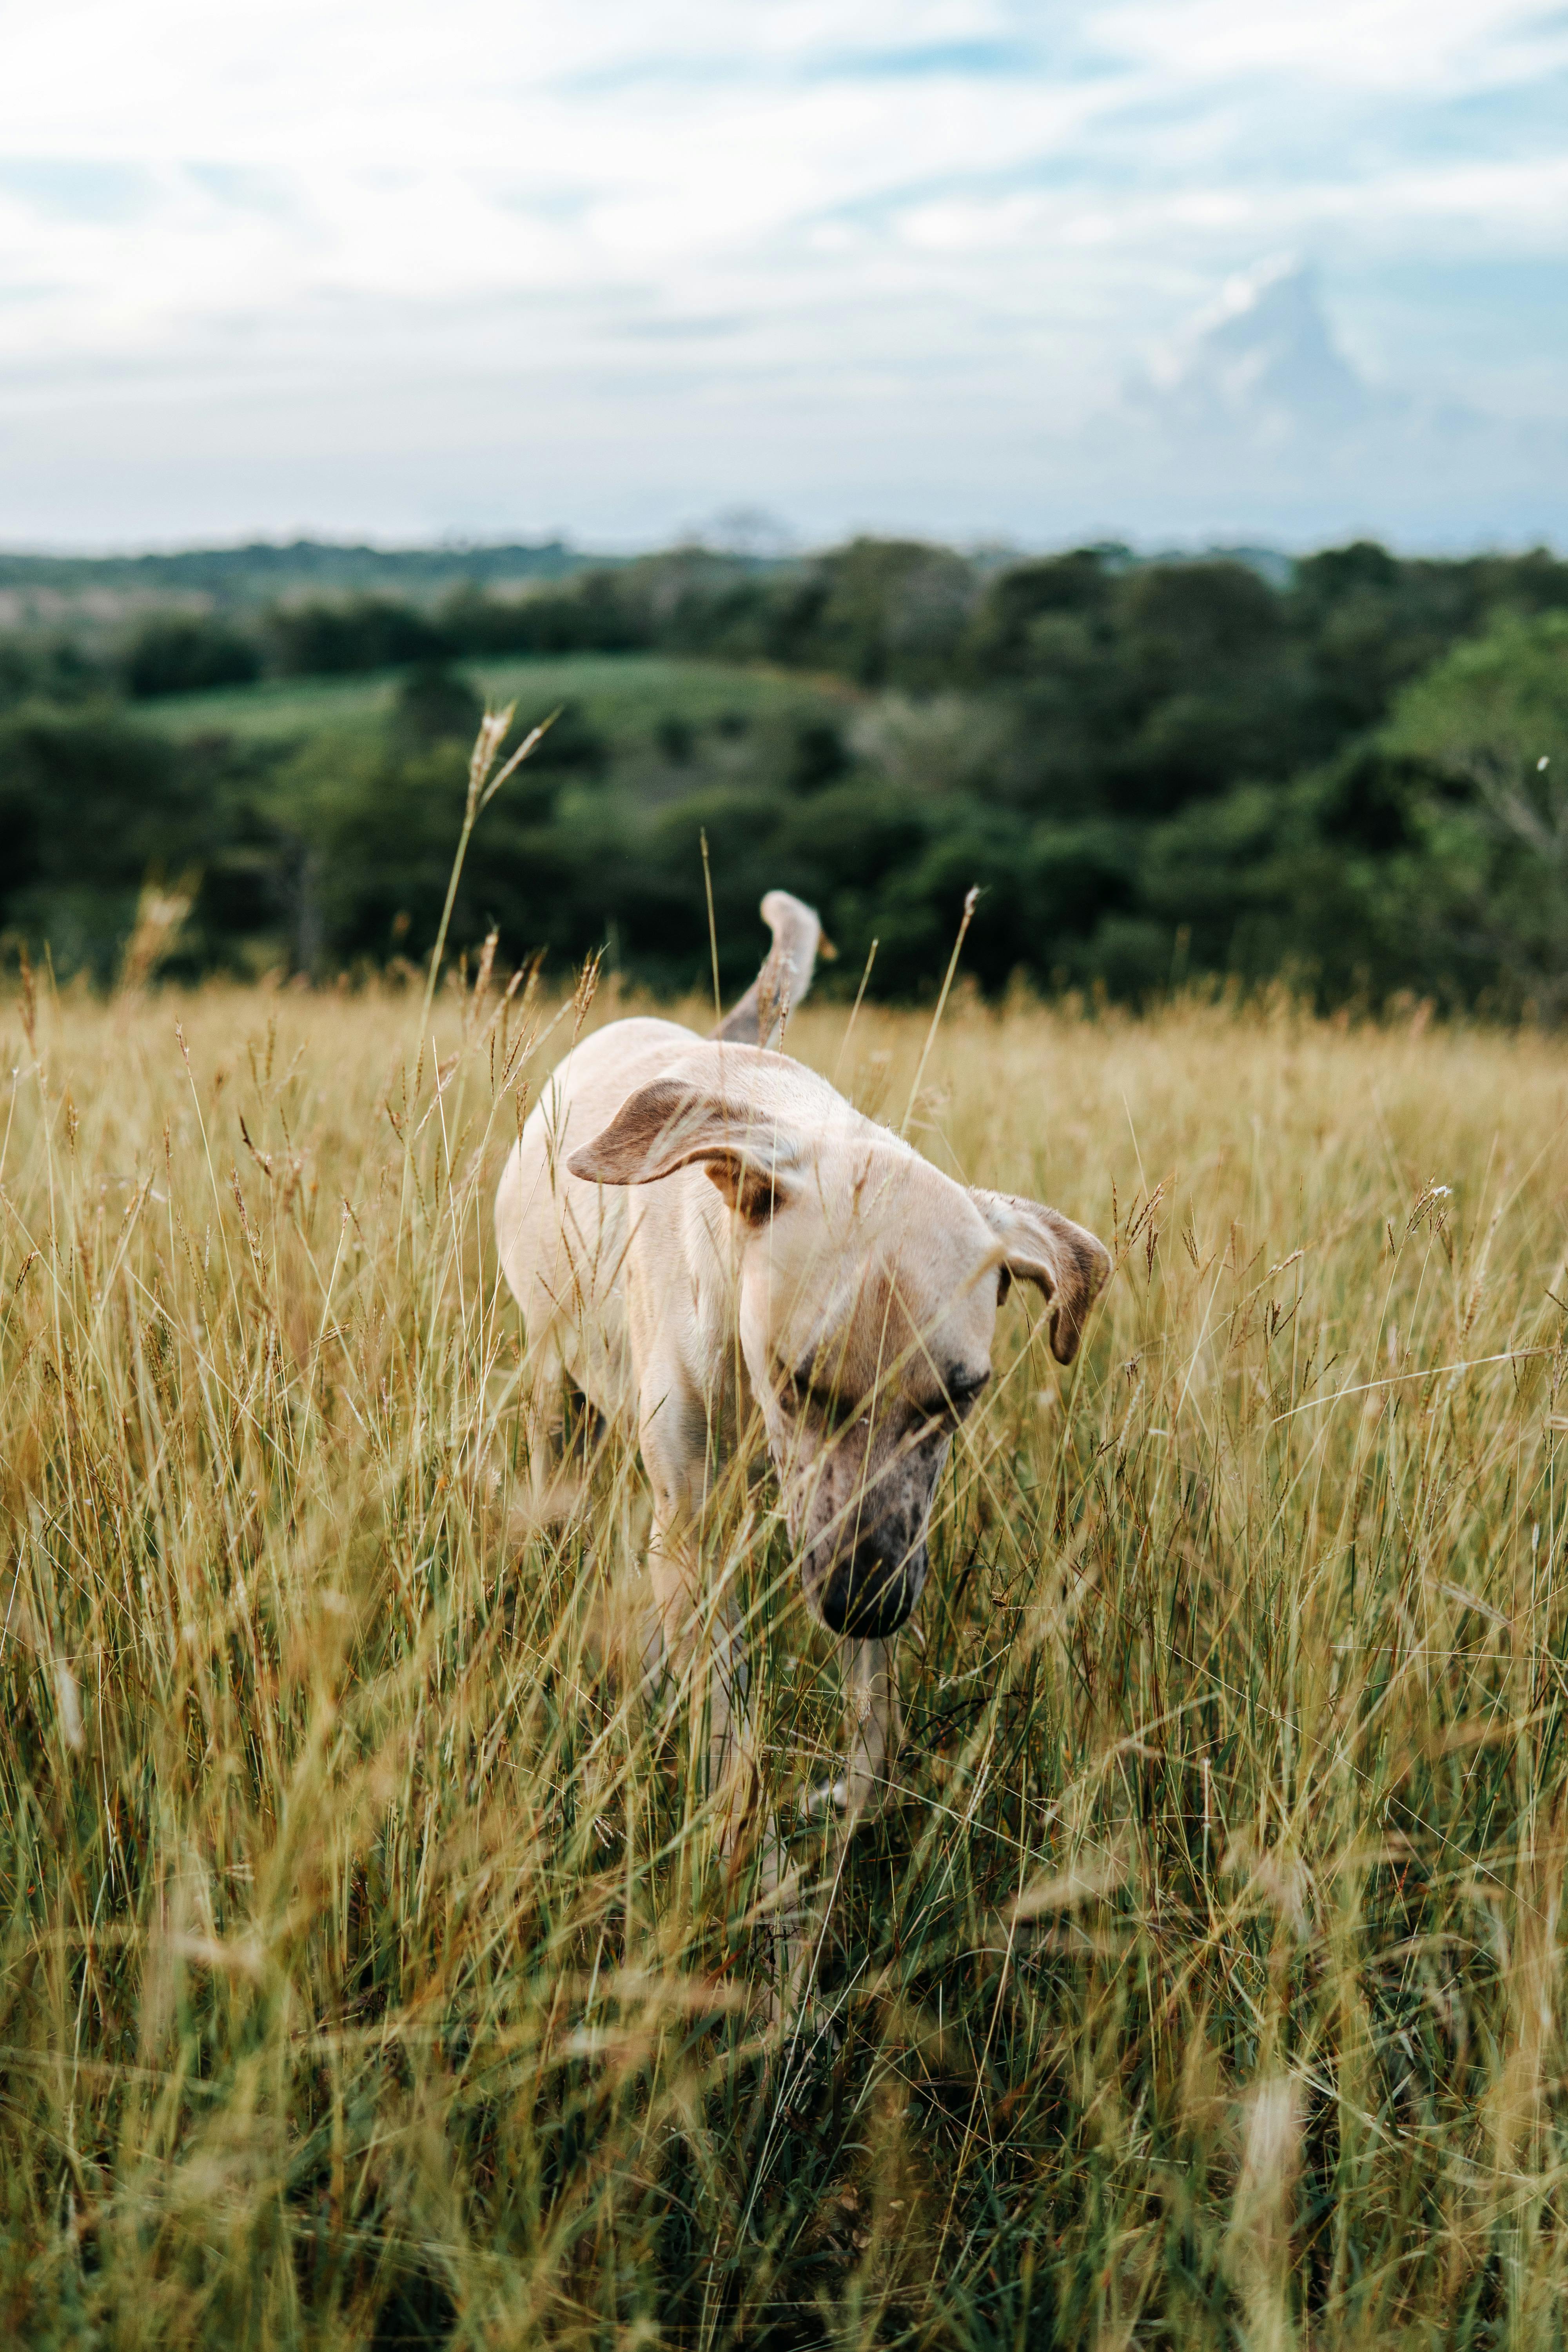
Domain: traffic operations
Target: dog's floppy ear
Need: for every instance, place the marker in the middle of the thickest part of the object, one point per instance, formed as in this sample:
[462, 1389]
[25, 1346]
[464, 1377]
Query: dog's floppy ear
[665, 1125]
[1069, 1266]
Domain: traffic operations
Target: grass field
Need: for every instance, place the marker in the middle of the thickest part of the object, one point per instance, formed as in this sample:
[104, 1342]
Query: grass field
[368, 1972]
[616, 693]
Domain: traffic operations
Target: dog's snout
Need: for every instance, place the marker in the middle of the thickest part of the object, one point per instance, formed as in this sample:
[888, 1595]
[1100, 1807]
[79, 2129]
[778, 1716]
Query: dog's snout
[868, 1597]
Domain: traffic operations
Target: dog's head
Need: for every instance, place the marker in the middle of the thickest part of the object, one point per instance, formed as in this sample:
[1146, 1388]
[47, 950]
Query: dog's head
[868, 1285]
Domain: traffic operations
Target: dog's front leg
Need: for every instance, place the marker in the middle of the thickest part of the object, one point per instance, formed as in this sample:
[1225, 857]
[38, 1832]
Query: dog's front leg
[872, 1709]
[696, 1627]
[700, 1645]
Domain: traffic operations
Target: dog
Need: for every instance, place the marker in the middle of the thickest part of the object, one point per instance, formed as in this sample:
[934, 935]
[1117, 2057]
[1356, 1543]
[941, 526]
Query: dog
[694, 1228]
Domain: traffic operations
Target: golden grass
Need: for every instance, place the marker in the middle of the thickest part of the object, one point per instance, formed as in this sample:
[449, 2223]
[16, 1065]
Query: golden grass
[367, 1970]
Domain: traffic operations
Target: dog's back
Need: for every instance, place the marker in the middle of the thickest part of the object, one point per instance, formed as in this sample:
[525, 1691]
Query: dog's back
[564, 1245]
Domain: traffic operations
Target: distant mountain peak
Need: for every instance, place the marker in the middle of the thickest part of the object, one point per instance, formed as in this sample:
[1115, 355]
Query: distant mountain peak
[1256, 424]
[1263, 360]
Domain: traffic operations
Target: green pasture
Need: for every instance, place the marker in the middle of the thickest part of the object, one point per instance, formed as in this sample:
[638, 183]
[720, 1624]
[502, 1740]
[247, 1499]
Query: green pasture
[619, 694]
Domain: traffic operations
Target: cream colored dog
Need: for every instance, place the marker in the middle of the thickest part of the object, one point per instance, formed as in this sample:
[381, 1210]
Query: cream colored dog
[672, 1195]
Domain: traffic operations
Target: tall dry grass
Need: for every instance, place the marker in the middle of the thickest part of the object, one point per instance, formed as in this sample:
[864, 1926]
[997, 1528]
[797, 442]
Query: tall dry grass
[368, 1968]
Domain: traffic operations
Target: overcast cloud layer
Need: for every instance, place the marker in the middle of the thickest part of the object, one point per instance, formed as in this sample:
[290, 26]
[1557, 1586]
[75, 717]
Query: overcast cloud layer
[610, 269]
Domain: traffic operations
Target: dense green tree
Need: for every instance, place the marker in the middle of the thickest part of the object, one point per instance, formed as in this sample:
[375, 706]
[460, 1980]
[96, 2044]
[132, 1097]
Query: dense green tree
[1489, 725]
[184, 654]
[435, 704]
[324, 640]
[91, 805]
[53, 670]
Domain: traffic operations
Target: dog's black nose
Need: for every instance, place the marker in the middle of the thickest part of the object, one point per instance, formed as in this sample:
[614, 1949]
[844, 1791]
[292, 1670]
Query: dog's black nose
[866, 1598]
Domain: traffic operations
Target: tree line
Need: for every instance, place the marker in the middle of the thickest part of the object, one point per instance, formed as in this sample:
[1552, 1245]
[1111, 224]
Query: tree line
[1348, 770]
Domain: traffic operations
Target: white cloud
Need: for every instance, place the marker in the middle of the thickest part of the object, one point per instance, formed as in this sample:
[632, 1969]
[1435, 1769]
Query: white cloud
[624, 261]
[1384, 48]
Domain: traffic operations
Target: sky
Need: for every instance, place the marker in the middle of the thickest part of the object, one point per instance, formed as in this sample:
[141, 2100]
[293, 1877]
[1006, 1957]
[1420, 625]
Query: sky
[1168, 270]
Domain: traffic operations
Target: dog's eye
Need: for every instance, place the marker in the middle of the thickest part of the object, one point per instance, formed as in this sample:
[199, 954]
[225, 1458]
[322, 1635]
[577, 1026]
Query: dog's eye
[798, 1389]
[804, 1391]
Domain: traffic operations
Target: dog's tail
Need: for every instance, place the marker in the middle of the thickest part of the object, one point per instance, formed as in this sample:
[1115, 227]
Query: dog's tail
[785, 978]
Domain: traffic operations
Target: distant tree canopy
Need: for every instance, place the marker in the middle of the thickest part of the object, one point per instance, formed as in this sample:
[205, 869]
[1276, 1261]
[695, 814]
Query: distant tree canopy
[367, 633]
[1153, 769]
[187, 655]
